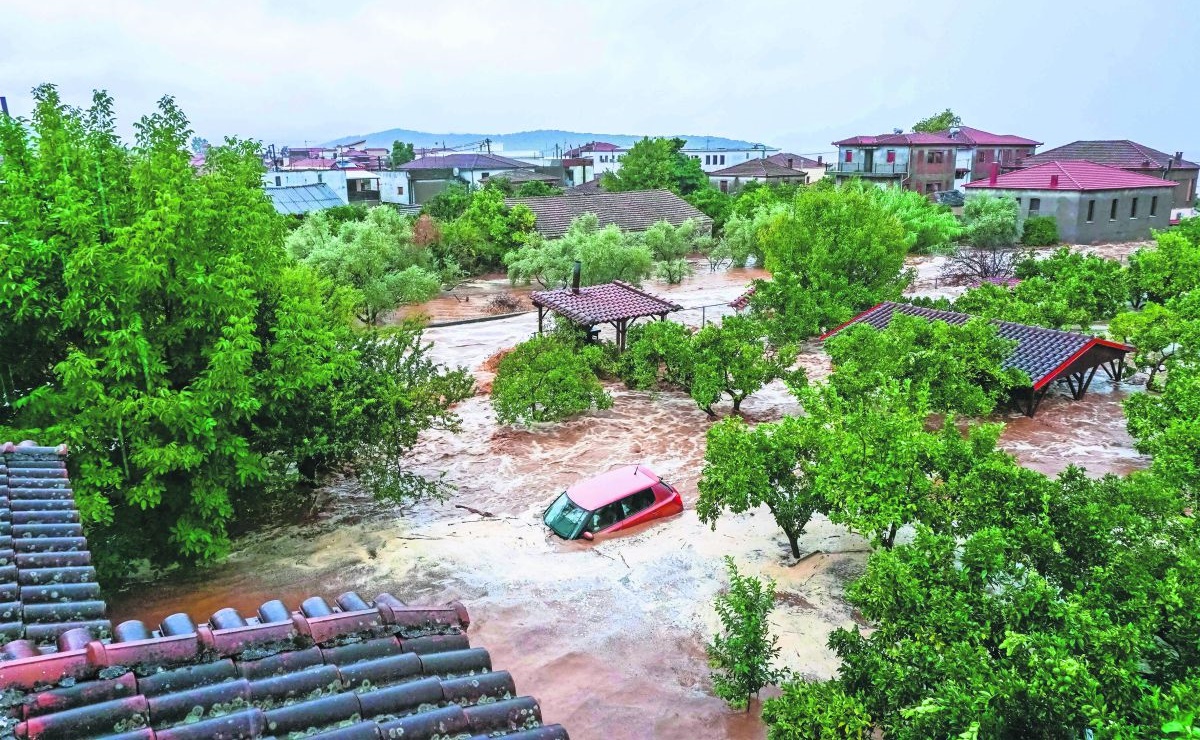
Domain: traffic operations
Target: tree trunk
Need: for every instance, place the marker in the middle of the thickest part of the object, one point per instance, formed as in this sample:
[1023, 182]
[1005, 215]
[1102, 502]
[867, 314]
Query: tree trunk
[793, 540]
[890, 539]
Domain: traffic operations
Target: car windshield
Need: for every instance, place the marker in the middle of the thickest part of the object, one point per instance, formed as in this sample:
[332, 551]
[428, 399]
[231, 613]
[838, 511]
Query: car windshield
[565, 517]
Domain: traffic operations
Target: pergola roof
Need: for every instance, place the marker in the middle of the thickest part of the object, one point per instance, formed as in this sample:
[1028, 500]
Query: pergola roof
[1044, 354]
[601, 304]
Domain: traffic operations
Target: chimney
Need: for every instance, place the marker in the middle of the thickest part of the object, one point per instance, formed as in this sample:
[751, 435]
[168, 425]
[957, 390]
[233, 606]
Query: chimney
[820, 159]
[575, 270]
[994, 173]
[1054, 182]
[1179, 157]
[790, 167]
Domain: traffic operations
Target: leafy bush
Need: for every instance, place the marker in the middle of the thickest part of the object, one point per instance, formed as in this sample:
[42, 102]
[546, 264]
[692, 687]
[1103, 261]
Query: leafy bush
[548, 379]
[1040, 231]
[991, 223]
[928, 227]
[537, 188]
[450, 203]
[816, 710]
[604, 254]
[673, 271]
[712, 203]
[1169, 269]
[741, 655]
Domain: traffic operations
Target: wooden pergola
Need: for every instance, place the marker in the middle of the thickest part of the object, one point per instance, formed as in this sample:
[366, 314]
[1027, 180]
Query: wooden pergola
[1045, 355]
[617, 303]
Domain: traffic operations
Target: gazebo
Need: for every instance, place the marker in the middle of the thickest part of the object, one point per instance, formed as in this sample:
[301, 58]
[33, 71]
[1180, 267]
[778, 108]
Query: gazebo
[1046, 355]
[617, 303]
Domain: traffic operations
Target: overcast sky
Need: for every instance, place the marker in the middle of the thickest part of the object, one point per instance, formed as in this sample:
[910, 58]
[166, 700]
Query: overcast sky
[795, 74]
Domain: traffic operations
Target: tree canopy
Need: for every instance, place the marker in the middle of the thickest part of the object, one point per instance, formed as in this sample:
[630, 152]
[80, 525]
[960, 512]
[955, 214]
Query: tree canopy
[657, 164]
[937, 122]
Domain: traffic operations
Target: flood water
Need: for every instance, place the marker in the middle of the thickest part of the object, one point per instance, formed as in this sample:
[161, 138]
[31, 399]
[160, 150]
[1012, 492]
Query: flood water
[610, 635]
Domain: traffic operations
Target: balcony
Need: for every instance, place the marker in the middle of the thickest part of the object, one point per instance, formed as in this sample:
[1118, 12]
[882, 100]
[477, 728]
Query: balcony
[868, 169]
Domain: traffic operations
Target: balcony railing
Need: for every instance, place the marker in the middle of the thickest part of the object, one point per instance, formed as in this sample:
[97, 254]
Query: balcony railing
[883, 169]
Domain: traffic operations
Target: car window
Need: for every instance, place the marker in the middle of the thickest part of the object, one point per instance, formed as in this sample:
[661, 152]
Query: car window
[606, 516]
[637, 502]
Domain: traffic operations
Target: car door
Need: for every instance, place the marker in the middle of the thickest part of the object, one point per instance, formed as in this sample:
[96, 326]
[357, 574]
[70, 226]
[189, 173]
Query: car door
[635, 507]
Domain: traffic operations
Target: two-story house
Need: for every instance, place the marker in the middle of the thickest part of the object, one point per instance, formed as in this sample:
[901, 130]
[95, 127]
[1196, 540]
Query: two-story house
[921, 162]
[978, 149]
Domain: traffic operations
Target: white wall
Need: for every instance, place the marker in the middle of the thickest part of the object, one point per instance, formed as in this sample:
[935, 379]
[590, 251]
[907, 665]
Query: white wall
[712, 160]
[964, 160]
[335, 179]
[394, 187]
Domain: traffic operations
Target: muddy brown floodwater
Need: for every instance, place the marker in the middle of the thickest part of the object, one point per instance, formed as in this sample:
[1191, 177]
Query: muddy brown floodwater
[610, 635]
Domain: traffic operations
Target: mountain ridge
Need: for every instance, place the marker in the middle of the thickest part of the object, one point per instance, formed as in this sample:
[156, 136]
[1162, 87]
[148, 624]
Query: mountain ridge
[544, 140]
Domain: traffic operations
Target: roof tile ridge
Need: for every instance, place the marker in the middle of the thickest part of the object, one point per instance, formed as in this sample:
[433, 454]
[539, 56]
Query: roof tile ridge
[644, 294]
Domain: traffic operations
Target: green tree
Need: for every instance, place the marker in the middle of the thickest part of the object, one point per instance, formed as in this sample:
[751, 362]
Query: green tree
[1040, 231]
[834, 251]
[653, 164]
[957, 368]
[402, 153]
[537, 188]
[769, 465]
[937, 122]
[548, 379]
[1155, 333]
[991, 222]
[605, 254]
[486, 230]
[1166, 426]
[450, 203]
[816, 710]
[735, 359]
[928, 227]
[376, 257]
[742, 654]
[659, 352]
[1169, 269]
[712, 203]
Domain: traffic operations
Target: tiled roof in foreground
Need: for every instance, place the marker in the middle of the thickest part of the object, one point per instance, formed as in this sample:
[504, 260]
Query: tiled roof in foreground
[1044, 354]
[632, 210]
[1071, 175]
[599, 304]
[349, 670]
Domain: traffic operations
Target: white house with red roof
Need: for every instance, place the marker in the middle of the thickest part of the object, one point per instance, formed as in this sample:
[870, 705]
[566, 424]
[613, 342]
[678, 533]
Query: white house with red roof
[921, 162]
[978, 149]
[1091, 202]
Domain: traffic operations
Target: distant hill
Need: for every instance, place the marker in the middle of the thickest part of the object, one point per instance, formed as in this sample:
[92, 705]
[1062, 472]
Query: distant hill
[543, 140]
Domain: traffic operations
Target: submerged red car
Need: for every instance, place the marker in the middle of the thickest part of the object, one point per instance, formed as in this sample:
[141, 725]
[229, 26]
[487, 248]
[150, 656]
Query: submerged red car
[610, 502]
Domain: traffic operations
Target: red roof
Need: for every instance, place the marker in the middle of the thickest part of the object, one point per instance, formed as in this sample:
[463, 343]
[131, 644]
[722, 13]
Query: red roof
[595, 146]
[798, 161]
[600, 304]
[614, 485]
[764, 168]
[977, 137]
[311, 164]
[1122, 153]
[912, 139]
[1078, 175]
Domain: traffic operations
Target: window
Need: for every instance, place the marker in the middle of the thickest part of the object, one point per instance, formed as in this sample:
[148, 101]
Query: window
[934, 156]
[891, 156]
[722, 159]
[399, 190]
[931, 187]
[1091, 211]
[1035, 206]
[320, 177]
[637, 503]
[1112, 210]
[724, 186]
[484, 175]
[849, 155]
[1018, 200]
[605, 517]
[1154, 206]
[707, 159]
[278, 181]
[1133, 208]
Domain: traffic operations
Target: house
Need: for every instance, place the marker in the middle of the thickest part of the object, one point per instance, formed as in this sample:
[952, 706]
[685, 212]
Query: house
[604, 157]
[348, 667]
[295, 200]
[1134, 157]
[335, 179]
[711, 159]
[924, 163]
[765, 171]
[813, 169]
[430, 175]
[633, 210]
[1091, 202]
[978, 149]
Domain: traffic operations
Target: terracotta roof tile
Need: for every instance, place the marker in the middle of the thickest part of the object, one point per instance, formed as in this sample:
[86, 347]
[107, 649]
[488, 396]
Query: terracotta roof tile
[1072, 176]
[1121, 153]
[978, 137]
[764, 168]
[798, 161]
[911, 139]
[634, 210]
[598, 304]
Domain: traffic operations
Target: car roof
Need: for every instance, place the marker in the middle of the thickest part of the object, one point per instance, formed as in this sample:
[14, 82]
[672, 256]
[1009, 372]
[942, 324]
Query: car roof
[612, 486]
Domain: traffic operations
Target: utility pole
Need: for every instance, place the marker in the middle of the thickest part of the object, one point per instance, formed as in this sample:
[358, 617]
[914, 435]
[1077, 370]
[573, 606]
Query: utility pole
[4, 105]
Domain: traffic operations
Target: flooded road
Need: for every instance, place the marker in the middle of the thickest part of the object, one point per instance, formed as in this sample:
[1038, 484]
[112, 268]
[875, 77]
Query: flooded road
[610, 635]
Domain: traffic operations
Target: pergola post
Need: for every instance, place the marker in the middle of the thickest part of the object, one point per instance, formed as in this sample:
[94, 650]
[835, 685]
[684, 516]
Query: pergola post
[541, 315]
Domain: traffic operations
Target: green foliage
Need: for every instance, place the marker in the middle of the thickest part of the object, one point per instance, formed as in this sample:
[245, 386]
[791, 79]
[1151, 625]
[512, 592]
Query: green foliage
[1169, 269]
[402, 153]
[991, 223]
[928, 227]
[670, 245]
[958, 368]
[537, 188]
[1166, 426]
[652, 164]
[816, 710]
[376, 257]
[937, 122]
[1160, 334]
[672, 271]
[450, 203]
[605, 255]
[730, 359]
[487, 230]
[1040, 231]
[154, 322]
[832, 253]
[712, 203]
[741, 655]
[548, 379]
[768, 465]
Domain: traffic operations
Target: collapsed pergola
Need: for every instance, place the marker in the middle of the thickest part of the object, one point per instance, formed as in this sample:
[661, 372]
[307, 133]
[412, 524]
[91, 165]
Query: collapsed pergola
[617, 303]
[1045, 355]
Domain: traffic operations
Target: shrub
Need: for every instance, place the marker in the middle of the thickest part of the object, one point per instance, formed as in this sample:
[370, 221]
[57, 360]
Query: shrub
[548, 379]
[816, 710]
[1040, 231]
[991, 222]
[741, 655]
